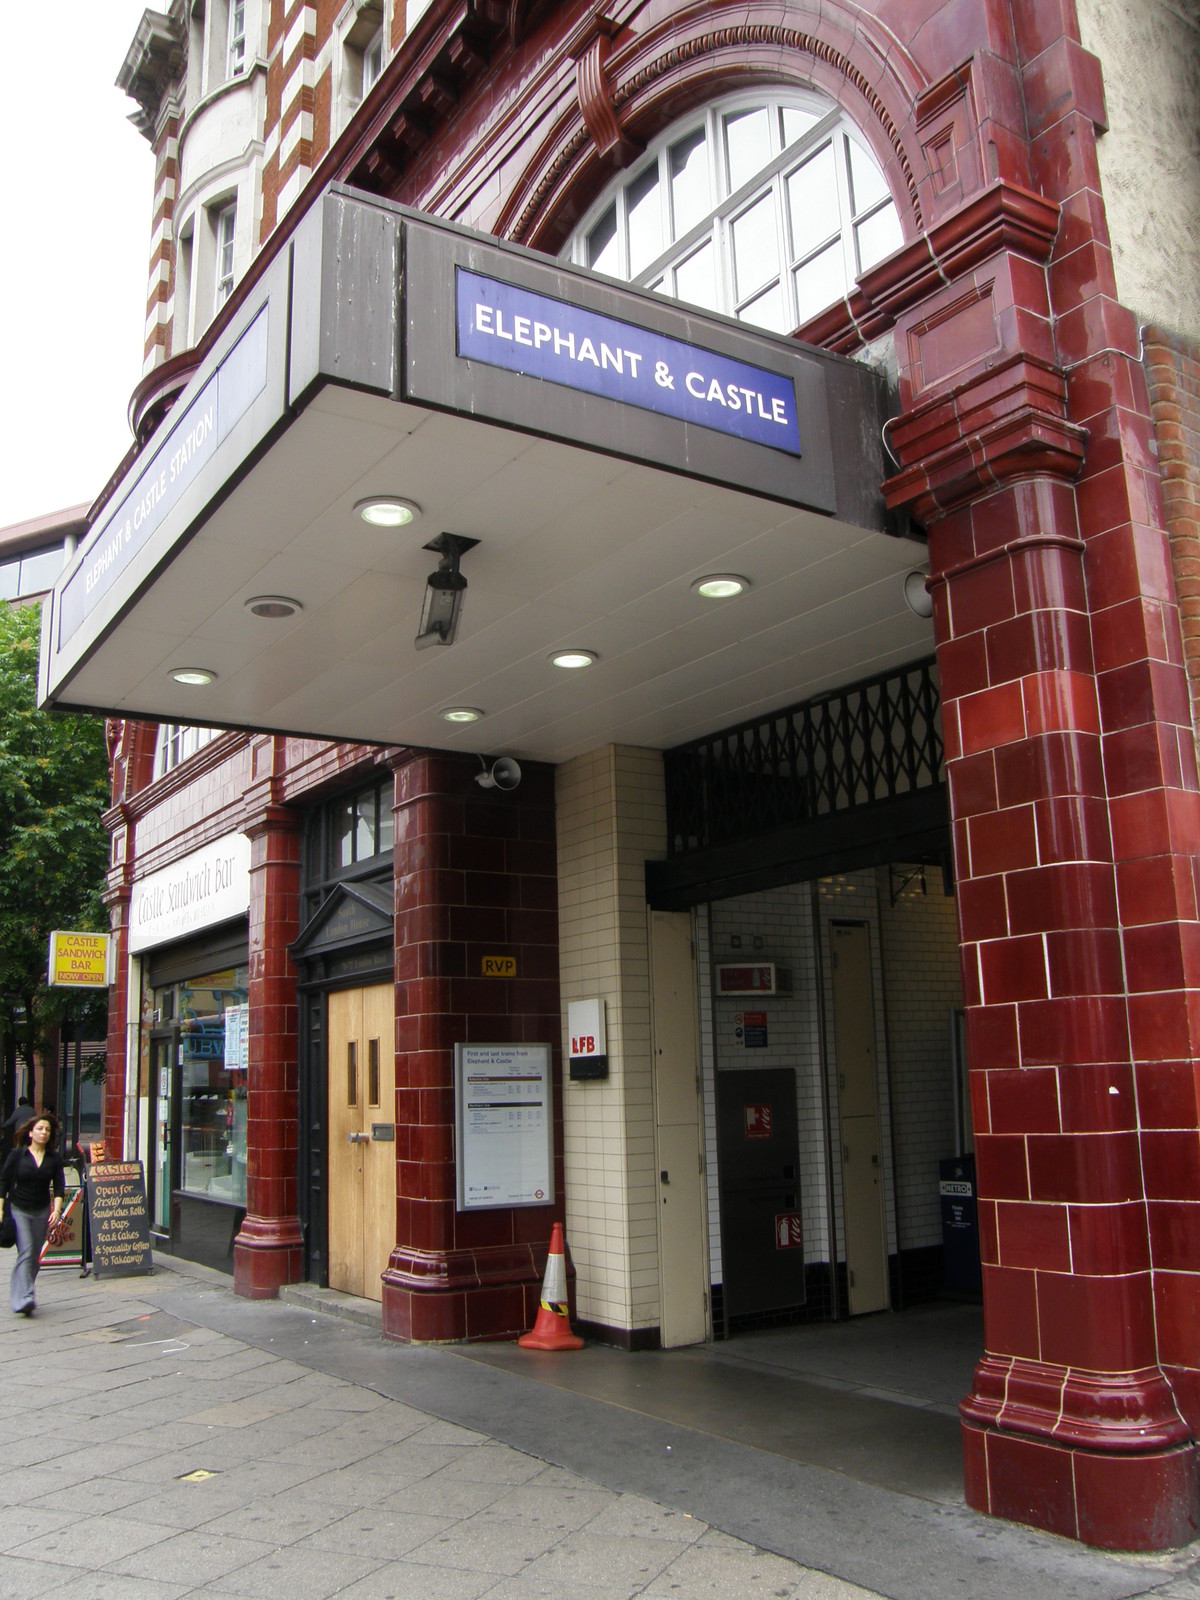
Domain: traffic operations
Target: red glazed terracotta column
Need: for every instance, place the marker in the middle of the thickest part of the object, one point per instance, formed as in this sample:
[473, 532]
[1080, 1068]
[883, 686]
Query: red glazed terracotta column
[475, 876]
[116, 1070]
[268, 1250]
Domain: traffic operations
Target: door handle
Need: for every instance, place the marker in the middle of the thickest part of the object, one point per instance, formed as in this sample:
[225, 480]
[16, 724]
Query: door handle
[357, 1138]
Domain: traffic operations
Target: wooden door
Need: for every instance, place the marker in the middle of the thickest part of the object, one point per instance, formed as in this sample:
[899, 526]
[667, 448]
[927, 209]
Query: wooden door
[858, 1111]
[362, 1138]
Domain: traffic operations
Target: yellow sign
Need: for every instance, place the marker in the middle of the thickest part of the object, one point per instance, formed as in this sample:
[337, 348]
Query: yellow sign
[77, 960]
[499, 966]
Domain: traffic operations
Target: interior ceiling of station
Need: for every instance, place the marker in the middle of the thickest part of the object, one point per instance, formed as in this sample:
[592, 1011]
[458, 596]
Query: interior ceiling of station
[576, 548]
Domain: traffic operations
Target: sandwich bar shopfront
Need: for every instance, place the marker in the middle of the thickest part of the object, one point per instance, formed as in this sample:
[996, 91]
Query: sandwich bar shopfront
[188, 925]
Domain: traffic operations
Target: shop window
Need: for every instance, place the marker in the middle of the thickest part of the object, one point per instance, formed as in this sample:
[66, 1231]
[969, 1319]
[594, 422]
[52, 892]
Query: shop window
[199, 1061]
[176, 742]
[766, 208]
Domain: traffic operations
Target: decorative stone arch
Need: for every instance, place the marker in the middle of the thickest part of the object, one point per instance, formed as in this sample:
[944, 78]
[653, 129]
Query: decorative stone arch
[626, 96]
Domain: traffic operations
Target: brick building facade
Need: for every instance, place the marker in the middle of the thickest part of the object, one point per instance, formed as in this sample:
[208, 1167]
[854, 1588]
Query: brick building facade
[987, 257]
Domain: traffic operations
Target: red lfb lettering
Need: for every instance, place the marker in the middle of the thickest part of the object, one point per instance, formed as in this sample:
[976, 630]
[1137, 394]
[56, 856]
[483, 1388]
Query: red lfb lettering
[584, 1045]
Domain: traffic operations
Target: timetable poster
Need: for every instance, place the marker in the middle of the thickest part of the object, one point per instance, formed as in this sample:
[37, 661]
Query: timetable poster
[504, 1106]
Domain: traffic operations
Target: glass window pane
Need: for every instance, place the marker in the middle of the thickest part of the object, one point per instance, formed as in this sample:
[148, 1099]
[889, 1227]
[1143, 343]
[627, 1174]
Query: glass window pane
[797, 123]
[691, 197]
[602, 243]
[755, 247]
[213, 1131]
[10, 580]
[812, 200]
[364, 833]
[696, 278]
[768, 311]
[343, 834]
[644, 207]
[878, 236]
[39, 571]
[387, 822]
[867, 187]
[747, 144]
[819, 282]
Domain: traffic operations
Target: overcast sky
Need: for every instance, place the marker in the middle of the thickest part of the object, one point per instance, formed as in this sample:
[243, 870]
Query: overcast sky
[76, 186]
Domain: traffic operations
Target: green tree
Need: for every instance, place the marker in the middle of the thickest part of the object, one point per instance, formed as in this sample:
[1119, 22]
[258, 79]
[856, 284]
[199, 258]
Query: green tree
[53, 846]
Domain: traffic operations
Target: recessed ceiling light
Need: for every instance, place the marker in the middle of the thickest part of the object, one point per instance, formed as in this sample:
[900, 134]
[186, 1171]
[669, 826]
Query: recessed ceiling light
[195, 677]
[573, 659]
[273, 605]
[720, 586]
[461, 714]
[387, 510]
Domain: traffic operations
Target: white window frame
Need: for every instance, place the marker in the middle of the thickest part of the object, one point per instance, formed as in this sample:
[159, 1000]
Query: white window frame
[235, 59]
[830, 130]
[176, 742]
[224, 223]
[372, 62]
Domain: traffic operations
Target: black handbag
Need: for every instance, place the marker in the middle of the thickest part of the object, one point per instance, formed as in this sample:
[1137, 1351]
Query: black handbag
[8, 1230]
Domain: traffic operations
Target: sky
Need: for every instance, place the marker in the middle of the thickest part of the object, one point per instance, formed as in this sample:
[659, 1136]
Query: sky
[76, 192]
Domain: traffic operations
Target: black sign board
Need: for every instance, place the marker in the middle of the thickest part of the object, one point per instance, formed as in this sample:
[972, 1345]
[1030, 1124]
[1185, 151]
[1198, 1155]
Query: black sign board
[116, 1201]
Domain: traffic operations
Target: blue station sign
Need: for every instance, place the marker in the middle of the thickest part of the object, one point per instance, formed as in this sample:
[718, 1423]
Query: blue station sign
[518, 329]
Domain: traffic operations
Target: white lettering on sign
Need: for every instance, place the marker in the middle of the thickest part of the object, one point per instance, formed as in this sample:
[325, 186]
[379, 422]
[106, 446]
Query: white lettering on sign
[195, 437]
[533, 333]
[736, 398]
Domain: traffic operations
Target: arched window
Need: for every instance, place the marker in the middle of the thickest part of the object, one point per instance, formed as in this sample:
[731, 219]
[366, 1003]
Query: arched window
[766, 207]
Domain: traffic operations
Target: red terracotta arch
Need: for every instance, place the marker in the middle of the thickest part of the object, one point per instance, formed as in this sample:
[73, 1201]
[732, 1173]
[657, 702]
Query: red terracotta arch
[628, 91]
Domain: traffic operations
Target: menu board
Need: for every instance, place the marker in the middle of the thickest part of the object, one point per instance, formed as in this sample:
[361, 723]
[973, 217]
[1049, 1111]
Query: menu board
[503, 1125]
[116, 1200]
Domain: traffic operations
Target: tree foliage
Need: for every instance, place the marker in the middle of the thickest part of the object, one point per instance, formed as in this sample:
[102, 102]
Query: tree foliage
[53, 845]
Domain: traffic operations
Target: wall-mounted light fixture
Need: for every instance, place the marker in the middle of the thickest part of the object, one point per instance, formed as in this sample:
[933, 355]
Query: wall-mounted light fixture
[444, 590]
[916, 596]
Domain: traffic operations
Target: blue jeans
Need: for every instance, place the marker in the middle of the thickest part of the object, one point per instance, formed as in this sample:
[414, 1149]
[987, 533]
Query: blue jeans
[31, 1236]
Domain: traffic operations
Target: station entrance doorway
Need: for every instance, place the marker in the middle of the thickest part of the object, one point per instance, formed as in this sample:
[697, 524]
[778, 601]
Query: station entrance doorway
[831, 1074]
[812, 847]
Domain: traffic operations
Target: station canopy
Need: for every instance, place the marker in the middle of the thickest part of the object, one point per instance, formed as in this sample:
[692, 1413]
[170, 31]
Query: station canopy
[594, 450]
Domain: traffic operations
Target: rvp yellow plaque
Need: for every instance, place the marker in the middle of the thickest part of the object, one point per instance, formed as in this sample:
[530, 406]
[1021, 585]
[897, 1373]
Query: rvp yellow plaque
[498, 966]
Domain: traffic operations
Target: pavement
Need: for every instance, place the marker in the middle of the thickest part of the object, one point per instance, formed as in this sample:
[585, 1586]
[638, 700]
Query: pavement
[164, 1439]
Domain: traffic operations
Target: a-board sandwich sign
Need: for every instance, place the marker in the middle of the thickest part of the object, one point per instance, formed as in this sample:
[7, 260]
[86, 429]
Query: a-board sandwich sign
[120, 1223]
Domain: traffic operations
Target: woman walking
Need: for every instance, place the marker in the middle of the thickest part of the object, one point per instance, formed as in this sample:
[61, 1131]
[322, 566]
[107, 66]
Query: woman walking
[31, 1172]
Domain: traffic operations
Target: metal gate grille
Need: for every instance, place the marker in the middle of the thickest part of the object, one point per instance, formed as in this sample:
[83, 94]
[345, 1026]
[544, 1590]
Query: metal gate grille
[873, 741]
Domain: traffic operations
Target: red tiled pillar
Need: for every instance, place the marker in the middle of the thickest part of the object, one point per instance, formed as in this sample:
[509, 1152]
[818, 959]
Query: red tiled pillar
[475, 875]
[268, 1250]
[115, 1068]
[1025, 453]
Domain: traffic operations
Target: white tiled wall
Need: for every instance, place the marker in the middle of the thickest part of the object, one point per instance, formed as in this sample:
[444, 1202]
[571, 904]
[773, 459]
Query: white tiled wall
[923, 979]
[915, 971]
[611, 819]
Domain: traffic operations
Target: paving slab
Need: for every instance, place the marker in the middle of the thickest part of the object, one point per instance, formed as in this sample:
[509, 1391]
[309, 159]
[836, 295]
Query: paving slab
[344, 1465]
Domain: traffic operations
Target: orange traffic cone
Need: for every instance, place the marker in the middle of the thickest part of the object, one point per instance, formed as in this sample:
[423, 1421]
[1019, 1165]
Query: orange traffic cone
[552, 1327]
